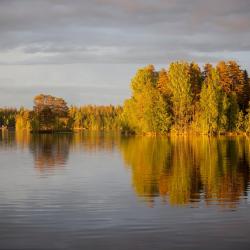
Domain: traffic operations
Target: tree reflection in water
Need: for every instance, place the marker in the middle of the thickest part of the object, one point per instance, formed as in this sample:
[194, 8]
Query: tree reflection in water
[95, 141]
[50, 151]
[7, 139]
[183, 170]
[180, 170]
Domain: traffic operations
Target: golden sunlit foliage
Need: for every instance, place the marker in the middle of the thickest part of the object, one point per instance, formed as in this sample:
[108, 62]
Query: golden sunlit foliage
[50, 151]
[180, 99]
[180, 169]
[51, 114]
[146, 111]
[184, 99]
[95, 118]
[23, 120]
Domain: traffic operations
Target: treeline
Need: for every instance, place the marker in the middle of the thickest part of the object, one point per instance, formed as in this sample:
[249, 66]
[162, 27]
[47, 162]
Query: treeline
[184, 98]
[51, 114]
[92, 117]
[7, 117]
[181, 99]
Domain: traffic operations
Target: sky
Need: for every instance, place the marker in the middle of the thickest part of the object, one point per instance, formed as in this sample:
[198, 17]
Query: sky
[88, 51]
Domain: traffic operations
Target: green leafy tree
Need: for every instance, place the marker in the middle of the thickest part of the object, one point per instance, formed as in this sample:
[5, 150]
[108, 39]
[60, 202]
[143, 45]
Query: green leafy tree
[232, 113]
[240, 122]
[213, 106]
[247, 119]
[181, 94]
[146, 111]
[92, 117]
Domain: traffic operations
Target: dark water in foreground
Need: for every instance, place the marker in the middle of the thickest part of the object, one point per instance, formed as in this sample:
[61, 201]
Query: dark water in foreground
[106, 192]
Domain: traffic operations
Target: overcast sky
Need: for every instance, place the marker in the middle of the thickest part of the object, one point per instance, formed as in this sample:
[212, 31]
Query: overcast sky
[87, 50]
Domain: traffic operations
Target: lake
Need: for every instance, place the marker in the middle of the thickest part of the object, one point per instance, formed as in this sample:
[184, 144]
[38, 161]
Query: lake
[104, 191]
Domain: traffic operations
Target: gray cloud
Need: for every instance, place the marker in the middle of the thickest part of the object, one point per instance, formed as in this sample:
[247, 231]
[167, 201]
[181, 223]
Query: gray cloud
[87, 50]
[121, 31]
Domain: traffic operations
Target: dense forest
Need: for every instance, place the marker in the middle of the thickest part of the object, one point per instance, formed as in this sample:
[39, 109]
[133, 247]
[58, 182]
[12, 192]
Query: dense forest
[184, 98]
[181, 99]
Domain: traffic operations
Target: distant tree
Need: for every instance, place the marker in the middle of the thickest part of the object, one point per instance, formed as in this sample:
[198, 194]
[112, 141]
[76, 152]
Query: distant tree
[50, 114]
[91, 117]
[55, 104]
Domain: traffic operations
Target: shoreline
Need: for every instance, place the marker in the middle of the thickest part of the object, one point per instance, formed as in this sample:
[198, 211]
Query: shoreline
[148, 134]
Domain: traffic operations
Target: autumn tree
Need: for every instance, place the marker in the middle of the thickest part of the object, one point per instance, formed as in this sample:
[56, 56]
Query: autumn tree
[232, 80]
[55, 104]
[206, 71]
[49, 113]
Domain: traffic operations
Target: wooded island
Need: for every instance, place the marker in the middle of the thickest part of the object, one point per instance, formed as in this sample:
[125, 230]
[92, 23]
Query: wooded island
[180, 99]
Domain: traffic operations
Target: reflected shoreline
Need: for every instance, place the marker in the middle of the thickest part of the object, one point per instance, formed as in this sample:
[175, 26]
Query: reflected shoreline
[179, 170]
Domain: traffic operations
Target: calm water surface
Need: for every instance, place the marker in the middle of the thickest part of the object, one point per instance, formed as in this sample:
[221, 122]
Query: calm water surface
[93, 191]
